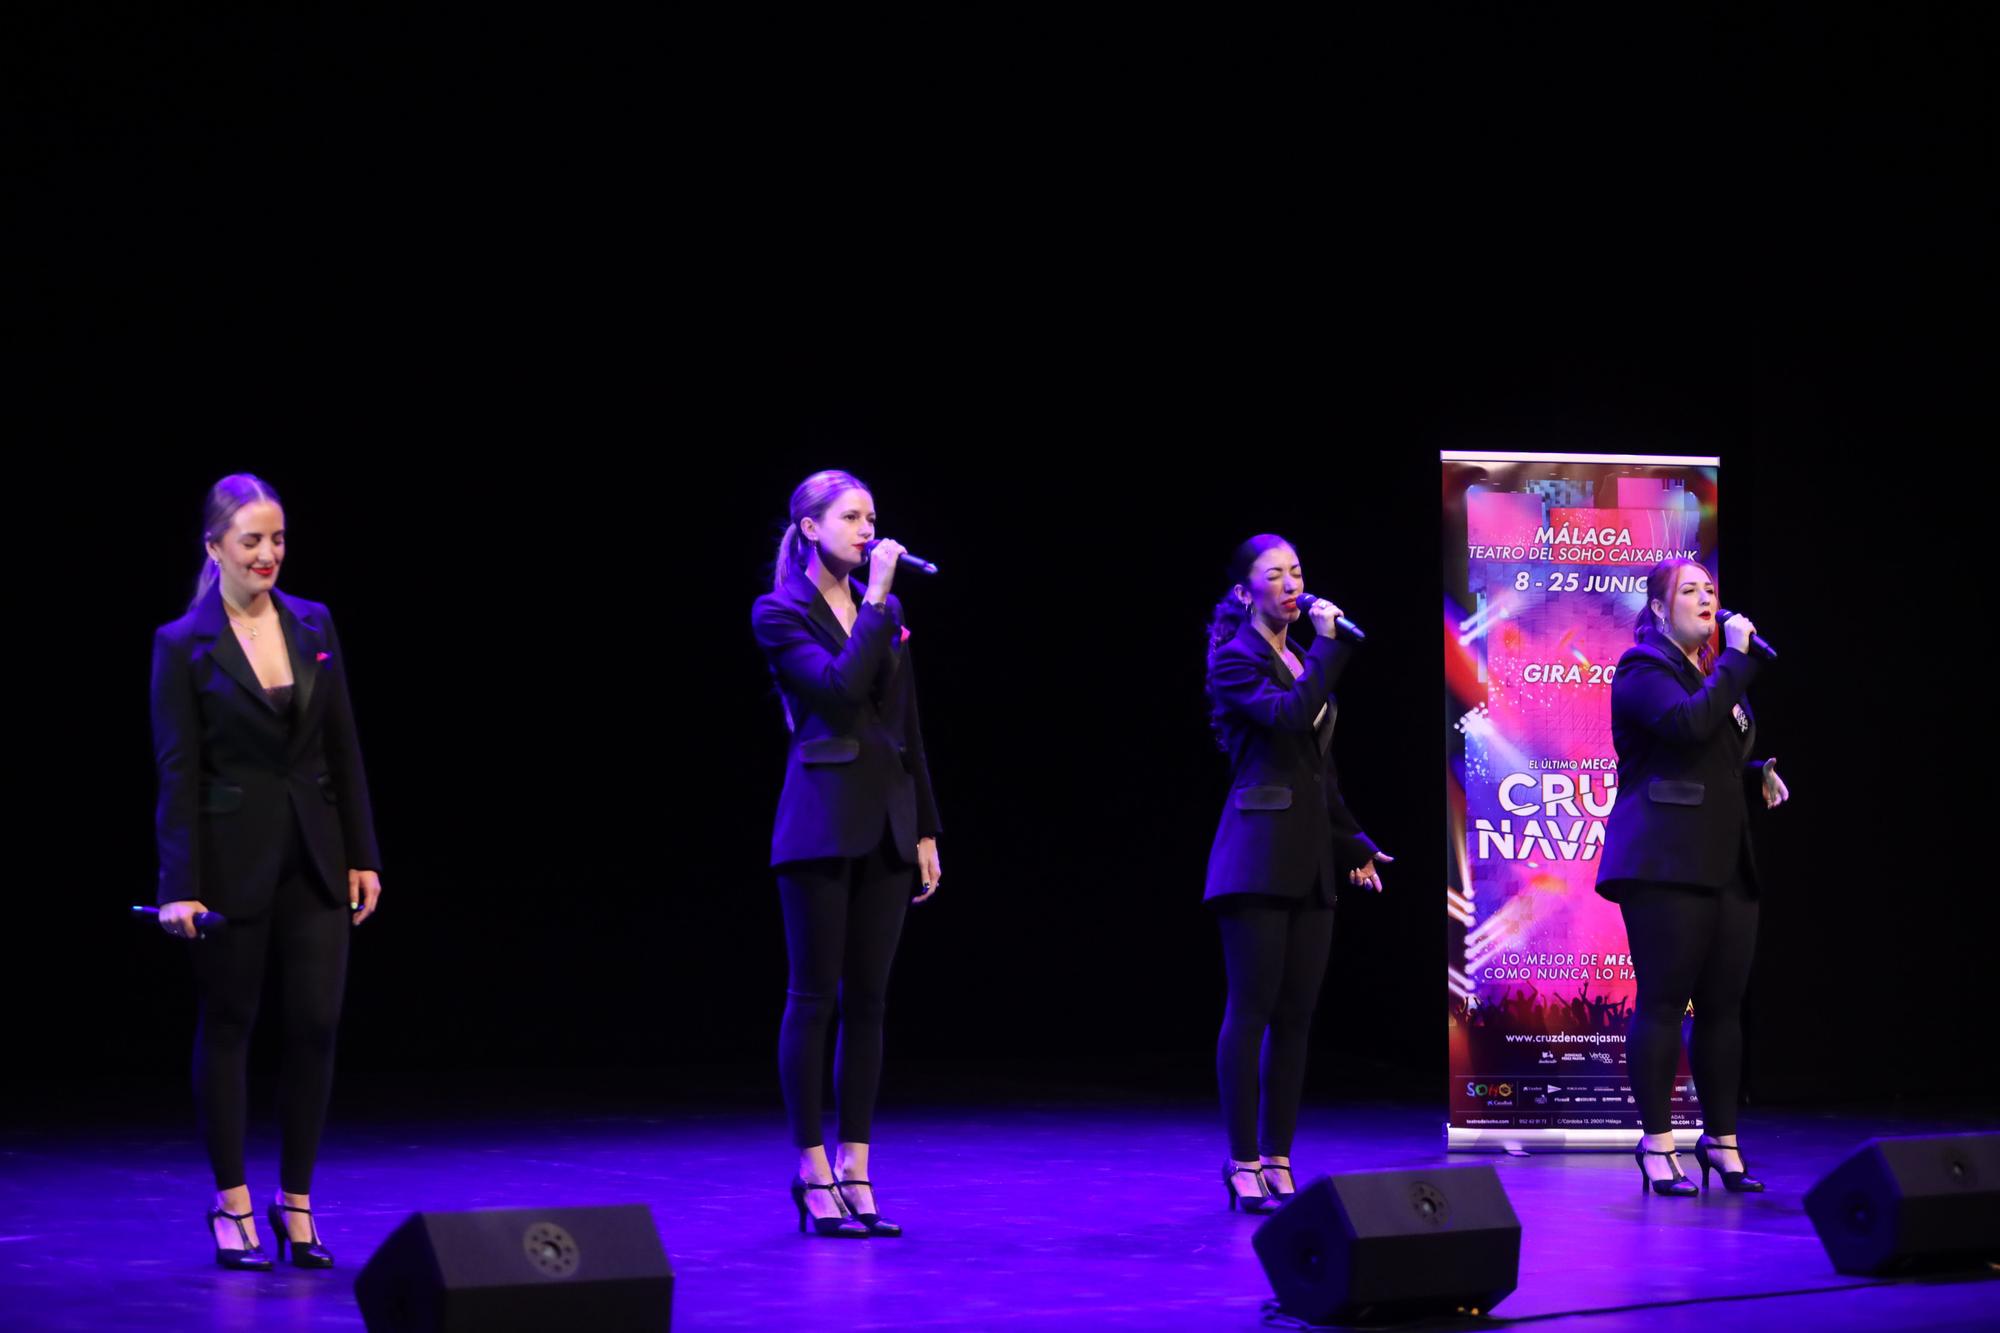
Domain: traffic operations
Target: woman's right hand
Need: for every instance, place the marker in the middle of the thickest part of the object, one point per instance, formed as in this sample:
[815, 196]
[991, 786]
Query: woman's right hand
[1325, 618]
[178, 918]
[1737, 632]
[882, 563]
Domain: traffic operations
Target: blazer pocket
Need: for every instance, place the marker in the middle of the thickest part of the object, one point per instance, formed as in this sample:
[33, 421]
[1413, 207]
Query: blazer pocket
[326, 789]
[1261, 798]
[219, 798]
[830, 750]
[1665, 791]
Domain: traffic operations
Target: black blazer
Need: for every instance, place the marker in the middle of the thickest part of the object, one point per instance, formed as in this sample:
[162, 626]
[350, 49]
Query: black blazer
[234, 771]
[1682, 815]
[856, 757]
[1284, 827]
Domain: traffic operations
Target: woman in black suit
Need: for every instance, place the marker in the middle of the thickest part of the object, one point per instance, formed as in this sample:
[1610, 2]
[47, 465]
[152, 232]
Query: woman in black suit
[856, 827]
[264, 818]
[1285, 838]
[1678, 860]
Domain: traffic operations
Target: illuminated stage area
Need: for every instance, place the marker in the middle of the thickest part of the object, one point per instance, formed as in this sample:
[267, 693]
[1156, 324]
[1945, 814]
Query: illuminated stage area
[1039, 1210]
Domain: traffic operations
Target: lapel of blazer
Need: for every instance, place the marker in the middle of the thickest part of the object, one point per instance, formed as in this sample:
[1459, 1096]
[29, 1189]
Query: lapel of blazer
[820, 616]
[211, 623]
[1691, 679]
[800, 591]
[307, 640]
[1252, 641]
[1665, 649]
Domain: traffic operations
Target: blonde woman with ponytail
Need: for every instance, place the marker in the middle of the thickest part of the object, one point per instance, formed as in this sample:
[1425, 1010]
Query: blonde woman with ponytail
[855, 839]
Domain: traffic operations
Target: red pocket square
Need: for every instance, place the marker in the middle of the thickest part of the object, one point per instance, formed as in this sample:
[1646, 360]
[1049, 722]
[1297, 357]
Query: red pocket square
[321, 657]
[906, 634]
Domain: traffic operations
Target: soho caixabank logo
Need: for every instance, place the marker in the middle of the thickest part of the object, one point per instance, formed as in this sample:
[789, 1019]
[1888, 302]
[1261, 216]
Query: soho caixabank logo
[1493, 1094]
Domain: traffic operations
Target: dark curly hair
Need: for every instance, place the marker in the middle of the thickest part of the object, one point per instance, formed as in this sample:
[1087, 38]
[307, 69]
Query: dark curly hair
[1230, 613]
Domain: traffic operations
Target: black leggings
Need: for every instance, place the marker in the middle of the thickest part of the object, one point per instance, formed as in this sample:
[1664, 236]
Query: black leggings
[1275, 952]
[309, 930]
[1689, 944]
[842, 920]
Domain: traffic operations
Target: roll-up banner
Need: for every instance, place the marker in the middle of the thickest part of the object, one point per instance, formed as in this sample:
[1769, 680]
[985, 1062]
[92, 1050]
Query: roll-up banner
[1545, 563]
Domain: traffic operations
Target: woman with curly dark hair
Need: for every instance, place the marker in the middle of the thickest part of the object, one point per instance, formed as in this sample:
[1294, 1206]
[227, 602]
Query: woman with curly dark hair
[1284, 840]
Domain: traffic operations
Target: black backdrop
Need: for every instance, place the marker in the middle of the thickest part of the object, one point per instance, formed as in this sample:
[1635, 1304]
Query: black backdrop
[535, 336]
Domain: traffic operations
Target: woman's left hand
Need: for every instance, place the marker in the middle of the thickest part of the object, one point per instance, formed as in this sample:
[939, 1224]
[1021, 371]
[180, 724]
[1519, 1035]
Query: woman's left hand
[929, 869]
[1368, 877]
[1776, 793]
[364, 887]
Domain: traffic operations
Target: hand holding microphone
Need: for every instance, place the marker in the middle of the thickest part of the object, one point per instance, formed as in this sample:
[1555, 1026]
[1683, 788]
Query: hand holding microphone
[903, 556]
[187, 919]
[883, 557]
[1739, 633]
[1326, 616]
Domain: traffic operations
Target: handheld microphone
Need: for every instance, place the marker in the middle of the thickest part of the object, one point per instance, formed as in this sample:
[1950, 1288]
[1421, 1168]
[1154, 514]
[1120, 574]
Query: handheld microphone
[1347, 627]
[913, 561]
[205, 923]
[1757, 644]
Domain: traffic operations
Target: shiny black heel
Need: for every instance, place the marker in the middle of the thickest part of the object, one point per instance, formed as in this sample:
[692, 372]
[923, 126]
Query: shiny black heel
[251, 1258]
[305, 1253]
[877, 1224]
[840, 1225]
[1250, 1203]
[1736, 1182]
[1271, 1188]
[1676, 1185]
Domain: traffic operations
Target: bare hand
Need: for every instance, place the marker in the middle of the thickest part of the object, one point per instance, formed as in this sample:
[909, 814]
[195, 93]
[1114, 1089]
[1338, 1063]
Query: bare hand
[178, 918]
[1368, 877]
[1776, 793]
[930, 870]
[364, 889]
[1325, 618]
[1736, 632]
[882, 564]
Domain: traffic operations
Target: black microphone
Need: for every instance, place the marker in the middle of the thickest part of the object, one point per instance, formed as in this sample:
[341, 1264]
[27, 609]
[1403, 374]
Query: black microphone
[1757, 644]
[1347, 627]
[913, 561]
[204, 922]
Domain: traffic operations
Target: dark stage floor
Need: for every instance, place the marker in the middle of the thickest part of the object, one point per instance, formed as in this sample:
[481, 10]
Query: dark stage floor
[1043, 1212]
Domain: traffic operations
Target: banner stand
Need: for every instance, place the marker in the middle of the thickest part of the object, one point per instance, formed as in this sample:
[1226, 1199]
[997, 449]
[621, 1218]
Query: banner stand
[1545, 564]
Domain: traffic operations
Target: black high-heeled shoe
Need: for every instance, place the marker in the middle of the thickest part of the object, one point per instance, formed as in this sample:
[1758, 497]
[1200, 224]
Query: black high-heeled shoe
[1676, 1185]
[840, 1225]
[1270, 1187]
[1736, 1182]
[251, 1258]
[305, 1253]
[1250, 1203]
[877, 1224]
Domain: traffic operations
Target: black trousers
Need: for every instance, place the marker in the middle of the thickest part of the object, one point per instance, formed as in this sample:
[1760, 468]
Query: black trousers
[843, 918]
[1687, 944]
[1275, 952]
[308, 930]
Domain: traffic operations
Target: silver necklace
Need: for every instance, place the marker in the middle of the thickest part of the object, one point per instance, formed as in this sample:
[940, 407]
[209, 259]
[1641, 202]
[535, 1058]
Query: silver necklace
[238, 621]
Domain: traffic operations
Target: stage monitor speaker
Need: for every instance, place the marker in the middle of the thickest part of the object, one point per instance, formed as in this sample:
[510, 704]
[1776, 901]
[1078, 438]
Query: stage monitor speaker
[1379, 1246]
[505, 1270]
[1908, 1205]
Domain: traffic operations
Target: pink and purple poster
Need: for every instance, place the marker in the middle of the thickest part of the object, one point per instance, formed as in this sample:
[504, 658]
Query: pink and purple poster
[1545, 563]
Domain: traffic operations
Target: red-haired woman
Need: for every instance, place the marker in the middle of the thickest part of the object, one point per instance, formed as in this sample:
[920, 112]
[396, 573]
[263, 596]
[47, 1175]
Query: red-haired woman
[1678, 860]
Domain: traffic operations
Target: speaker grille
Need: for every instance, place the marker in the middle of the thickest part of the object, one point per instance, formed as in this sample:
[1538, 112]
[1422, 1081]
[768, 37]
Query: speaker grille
[1429, 1204]
[550, 1249]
